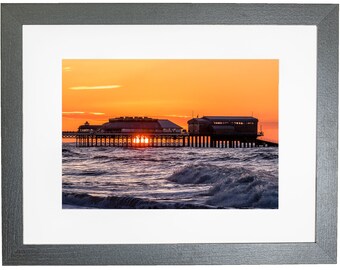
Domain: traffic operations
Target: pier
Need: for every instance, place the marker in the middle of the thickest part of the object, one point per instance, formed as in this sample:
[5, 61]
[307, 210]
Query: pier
[165, 140]
[205, 132]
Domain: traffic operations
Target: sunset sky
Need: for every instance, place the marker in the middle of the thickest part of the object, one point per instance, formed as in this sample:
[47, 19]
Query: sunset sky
[96, 90]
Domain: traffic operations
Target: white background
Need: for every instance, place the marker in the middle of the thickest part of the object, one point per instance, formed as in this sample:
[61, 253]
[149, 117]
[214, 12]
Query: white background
[240, 267]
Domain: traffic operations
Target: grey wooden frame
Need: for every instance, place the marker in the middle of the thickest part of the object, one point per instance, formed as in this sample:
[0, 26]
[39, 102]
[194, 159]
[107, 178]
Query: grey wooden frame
[324, 17]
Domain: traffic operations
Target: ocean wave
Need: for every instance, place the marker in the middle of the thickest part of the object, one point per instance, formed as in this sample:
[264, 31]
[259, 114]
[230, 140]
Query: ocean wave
[114, 202]
[67, 153]
[101, 157]
[107, 159]
[226, 158]
[206, 178]
[246, 192]
[86, 173]
[232, 187]
[262, 156]
[197, 174]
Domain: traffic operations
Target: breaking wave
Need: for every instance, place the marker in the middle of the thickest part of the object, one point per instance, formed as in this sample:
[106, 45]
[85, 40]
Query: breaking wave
[232, 187]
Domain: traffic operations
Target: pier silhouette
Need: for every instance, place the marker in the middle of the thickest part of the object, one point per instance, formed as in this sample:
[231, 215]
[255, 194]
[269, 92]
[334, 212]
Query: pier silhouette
[205, 132]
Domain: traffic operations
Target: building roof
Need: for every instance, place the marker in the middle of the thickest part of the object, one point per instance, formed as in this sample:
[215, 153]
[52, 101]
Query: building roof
[230, 118]
[138, 123]
[132, 119]
[152, 125]
[199, 120]
[168, 124]
[88, 126]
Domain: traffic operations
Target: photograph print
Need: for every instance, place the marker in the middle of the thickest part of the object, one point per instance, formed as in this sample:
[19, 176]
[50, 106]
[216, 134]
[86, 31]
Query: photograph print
[170, 133]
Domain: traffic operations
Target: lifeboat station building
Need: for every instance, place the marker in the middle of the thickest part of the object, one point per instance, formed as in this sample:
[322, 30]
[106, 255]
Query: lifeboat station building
[224, 131]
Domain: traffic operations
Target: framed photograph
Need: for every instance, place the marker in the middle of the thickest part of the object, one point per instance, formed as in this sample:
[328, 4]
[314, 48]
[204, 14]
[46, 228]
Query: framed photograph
[169, 133]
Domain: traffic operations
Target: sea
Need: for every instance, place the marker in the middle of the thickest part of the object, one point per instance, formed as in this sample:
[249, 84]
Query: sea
[169, 178]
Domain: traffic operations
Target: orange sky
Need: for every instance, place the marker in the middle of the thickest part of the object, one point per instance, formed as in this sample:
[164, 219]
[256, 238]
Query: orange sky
[95, 90]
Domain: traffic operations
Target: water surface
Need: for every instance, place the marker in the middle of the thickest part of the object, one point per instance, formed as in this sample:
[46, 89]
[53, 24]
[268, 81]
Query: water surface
[175, 178]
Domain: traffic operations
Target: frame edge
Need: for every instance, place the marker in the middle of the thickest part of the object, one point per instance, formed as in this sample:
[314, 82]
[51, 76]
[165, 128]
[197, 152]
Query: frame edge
[327, 133]
[15, 252]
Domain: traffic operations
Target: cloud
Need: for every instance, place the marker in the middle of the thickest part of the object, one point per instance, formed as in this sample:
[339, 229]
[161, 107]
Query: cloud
[73, 112]
[87, 113]
[99, 87]
[97, 113]
[84, 115]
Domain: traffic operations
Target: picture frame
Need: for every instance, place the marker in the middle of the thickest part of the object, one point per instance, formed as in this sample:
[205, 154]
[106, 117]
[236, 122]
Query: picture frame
[322, 251]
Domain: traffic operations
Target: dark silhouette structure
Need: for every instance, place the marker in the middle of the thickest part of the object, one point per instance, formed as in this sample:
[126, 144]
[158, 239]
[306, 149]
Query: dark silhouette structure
[144, 125]
[225, 131]
[88, 128]
[208, 131]
[231, 126]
